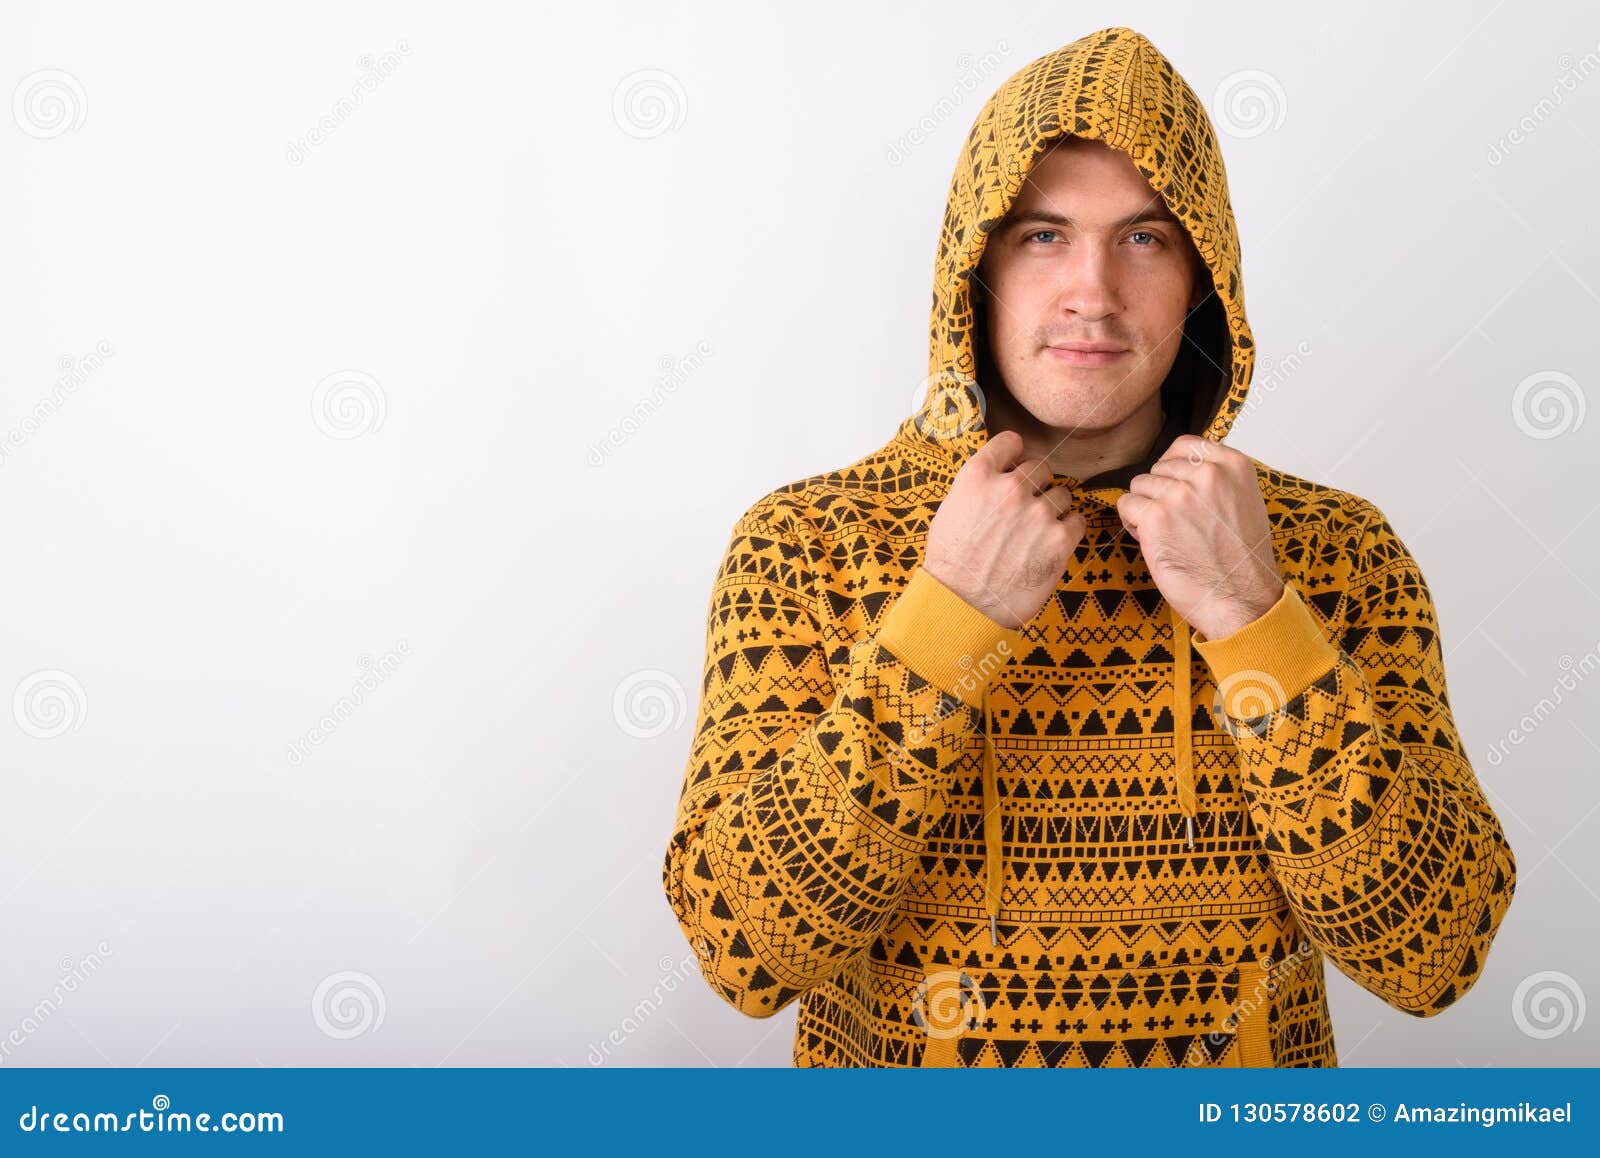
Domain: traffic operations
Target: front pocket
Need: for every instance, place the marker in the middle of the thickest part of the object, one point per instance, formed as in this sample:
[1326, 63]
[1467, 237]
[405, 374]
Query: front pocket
[945, 1005]
[1149, 1018]
[1252, 1018]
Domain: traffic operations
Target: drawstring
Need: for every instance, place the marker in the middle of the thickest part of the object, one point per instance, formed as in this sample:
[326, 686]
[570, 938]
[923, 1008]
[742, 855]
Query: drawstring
[993, 855]
[1183, 748]
[1183, 755]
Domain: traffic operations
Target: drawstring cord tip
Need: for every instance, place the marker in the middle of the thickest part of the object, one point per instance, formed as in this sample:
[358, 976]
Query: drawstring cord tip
[1188, 822]
[994, 938]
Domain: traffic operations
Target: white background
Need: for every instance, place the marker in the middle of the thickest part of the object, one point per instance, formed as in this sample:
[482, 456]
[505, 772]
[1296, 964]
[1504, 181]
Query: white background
[494, 263]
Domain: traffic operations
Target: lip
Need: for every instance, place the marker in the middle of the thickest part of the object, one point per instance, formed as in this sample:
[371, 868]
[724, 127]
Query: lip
[1085, 353]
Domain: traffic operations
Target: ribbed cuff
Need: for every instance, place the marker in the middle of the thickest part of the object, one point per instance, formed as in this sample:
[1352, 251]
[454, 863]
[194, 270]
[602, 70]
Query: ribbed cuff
[1286, 644]
[946, 640]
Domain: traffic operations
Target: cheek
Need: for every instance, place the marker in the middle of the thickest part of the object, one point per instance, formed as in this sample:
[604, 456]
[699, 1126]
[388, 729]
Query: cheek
[1160, 304]
[1030, 295]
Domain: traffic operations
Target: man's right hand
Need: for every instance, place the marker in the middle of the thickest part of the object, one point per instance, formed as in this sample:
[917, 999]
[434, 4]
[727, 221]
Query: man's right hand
[1003, 536]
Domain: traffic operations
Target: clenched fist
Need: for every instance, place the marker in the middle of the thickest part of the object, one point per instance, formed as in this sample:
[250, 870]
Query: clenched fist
[1004, 534]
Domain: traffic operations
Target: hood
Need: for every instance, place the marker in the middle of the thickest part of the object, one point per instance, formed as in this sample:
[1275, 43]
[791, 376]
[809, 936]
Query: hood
[1115, 87]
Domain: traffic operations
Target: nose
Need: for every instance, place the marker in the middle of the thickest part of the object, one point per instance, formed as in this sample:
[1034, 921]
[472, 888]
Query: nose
[1089, 282]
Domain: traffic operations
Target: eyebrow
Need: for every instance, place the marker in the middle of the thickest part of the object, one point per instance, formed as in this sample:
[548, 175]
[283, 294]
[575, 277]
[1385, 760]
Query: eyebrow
[1155, 212]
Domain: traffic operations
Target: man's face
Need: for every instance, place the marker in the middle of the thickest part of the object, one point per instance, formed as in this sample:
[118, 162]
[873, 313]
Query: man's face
[1089, 254]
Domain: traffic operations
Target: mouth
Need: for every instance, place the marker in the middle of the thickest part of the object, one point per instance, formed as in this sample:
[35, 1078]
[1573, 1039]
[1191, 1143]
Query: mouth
[1086, 353]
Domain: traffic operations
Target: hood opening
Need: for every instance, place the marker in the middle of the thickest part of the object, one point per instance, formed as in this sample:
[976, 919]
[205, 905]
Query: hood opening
[1191, 393]
[1116, 87]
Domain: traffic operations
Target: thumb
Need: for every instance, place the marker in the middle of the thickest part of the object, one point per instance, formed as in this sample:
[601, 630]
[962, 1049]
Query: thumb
[1127, 511]
[1000, 450]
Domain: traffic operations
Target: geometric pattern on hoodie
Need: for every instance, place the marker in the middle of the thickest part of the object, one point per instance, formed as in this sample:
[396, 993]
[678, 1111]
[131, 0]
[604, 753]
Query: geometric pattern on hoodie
[1099, 839]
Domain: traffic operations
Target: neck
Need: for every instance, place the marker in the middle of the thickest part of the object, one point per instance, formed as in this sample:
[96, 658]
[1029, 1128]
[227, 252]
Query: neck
[1075, 453]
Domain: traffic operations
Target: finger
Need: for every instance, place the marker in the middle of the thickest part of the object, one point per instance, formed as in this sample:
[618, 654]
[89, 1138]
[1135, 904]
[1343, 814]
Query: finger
[1131, 508]
[1177, 466]
[1061, 499]
[1190, 449]
[1151, 485]
[999, 451]
[1037, 472]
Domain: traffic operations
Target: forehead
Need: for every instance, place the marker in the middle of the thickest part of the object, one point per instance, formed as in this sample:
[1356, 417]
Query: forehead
[1083, 171]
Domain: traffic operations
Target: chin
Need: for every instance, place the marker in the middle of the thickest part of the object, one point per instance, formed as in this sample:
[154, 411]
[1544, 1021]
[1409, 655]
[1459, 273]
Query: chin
[1064, 401]
[1053, 413]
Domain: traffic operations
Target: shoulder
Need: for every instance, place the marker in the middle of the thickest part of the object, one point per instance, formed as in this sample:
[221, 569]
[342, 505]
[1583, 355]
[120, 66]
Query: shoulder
[1302, 506]
[869, 495]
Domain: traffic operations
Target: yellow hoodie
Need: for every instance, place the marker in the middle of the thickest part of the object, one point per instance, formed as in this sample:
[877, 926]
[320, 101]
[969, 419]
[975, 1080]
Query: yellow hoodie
[1069, 844]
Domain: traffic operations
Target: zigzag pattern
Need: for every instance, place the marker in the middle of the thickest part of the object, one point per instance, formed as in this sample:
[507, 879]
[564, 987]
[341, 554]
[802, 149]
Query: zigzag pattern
[829, 849]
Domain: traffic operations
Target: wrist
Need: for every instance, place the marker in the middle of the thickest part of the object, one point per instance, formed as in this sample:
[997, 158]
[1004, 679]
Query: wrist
[996, 612]
[1240, 613]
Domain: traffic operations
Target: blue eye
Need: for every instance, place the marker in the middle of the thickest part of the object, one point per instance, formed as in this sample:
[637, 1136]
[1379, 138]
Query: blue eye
[1040, 233]
[1145, 233]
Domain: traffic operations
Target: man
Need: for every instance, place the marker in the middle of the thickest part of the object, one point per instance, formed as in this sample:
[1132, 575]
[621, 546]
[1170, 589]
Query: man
[959, 785]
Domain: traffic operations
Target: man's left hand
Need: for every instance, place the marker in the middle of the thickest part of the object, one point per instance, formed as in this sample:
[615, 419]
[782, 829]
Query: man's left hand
[1202, 525]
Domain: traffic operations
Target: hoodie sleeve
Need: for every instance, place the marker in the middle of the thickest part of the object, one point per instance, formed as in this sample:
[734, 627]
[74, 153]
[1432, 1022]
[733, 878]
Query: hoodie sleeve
[806, 802]
[1377, 829]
